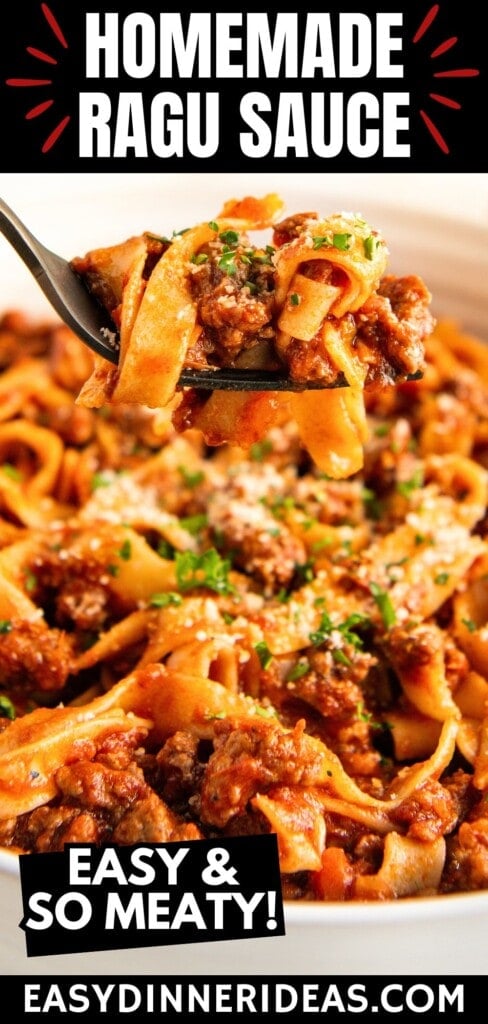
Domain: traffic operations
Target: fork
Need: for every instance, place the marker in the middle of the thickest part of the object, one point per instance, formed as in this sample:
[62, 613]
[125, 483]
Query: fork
[80, 311]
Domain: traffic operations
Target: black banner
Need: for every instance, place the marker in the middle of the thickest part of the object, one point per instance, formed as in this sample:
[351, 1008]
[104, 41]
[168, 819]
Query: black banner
[89, 898]
[385, 88]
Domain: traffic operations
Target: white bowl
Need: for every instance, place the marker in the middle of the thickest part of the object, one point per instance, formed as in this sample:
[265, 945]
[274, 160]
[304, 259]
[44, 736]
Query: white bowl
[437, 228]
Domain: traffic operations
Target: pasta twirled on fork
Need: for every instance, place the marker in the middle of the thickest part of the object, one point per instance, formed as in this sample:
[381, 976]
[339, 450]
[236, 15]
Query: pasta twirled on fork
[314, 302]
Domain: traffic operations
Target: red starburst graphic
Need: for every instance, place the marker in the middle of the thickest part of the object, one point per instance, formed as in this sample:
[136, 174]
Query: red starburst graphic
[29, 83]
[445, 101]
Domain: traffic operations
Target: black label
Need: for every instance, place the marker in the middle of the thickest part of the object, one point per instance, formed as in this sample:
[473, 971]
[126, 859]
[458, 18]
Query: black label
[93, 898]
[386, 87]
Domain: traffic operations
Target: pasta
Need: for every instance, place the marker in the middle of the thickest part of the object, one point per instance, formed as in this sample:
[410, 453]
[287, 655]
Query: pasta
[316, 304]
[201, 641]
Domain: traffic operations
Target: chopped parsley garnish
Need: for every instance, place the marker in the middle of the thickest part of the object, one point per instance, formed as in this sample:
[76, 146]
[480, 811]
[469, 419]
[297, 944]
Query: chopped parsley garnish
[280, 504]
[169, 597]
[265, 712]
[372, 503]
[227, 262]
[229, 237]
[405, 487]
[305, 571]
[165, 549]
[191, 477]
[7, 709]
[321, 242]
[164, 238]
[259, 449]
[394, 565]
[213, 224]
[198, 258]
[5, 626]
[264, 654]
[30, 581]
[319, 545]
[295, 299]
[469, 625]
[125, 551]
[369, 246]
[366, 716]
[300, 669]
[339, 241]
[12, 471]
[340, 657]
[102, 478]
[194, 523]
[384, 605]
[324, 630]
[113, 570]
[441, 578]
[346, 628]
[263, 255]
[205, 570]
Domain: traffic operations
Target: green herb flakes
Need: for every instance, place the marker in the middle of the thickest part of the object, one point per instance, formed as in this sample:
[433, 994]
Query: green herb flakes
[125, 551]
[7, 709]
[205, 570]
[384, 605]
[264, 654]
[298, 671]
[164, 600]
[369, 246]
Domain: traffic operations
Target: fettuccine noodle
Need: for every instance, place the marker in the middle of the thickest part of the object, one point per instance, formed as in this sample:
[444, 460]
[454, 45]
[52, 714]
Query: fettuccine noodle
[210, 641]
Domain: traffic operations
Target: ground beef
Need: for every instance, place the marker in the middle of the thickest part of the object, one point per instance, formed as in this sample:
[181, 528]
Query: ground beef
[48, 829]
[310, 360]
[291, 227]
[83, 604]
[392, 324]
[100, 804]
[252, 758]
[233, 287]
[33, 657]
[179, 767]
[333, 692]
[466, 866]
[428, 813]
[266, 550]
[151, 821]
